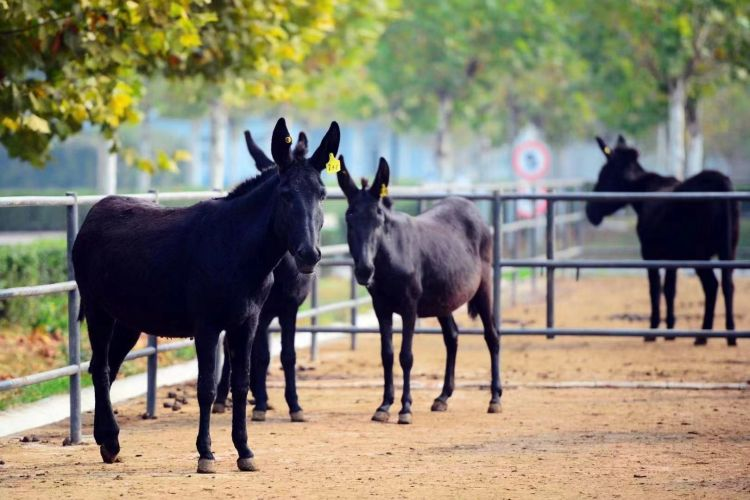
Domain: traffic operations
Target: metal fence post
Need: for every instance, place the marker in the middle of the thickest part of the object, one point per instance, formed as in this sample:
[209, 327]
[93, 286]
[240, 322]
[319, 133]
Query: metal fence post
[353, 310]
[152, 363]
[514, 242]
[550, 270]
[314, 319]
[74, 331]
[497, 241]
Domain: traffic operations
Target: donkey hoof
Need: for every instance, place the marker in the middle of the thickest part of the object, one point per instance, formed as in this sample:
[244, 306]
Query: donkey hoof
[700, 341]
[439, 405]
[297, 416]
[381, 416]
[259, 415]
[219, 408]
[404, 418]
[494, 408]
[732, 341]
[109, 457]
[670, 338]
[246, 464]
[649, 338]
[206, 466]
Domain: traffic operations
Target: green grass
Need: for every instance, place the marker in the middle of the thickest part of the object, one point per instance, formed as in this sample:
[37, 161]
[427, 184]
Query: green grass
[43, 390]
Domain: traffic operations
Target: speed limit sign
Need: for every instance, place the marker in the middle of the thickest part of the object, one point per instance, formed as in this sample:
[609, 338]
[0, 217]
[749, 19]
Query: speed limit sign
[531, 160]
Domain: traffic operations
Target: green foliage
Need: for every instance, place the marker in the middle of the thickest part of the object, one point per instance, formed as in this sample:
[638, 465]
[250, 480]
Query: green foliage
[34, 264]
[65, 64]
[638, 49]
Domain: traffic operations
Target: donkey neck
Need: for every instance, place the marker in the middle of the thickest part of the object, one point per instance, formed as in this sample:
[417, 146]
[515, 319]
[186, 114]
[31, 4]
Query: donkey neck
[260, 247]
[647, 181]
[396, 231]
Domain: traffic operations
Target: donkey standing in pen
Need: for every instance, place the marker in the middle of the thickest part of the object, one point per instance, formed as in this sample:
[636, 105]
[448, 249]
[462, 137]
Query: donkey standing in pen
[424, 266]
[193, 272]
[675, 230]
[290, 288]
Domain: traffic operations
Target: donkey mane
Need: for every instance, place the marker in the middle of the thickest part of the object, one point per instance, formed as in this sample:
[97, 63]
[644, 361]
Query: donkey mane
[250, 184]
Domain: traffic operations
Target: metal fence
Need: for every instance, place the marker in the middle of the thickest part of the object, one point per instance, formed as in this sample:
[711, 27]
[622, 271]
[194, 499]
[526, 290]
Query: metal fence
[502, 225]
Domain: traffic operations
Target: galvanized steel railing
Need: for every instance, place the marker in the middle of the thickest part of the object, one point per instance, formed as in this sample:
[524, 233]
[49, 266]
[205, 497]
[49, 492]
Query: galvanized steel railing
[500, 228]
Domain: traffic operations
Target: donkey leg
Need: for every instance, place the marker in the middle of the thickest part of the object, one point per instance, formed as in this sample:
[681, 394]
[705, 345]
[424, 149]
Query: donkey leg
[385, 321]
[222, 389]
[260, 358]
[240, 343]
[654, 290]
[106, 431]
[406, 359]
[727, 287]
[206, 343]
[123, 340]
[710, 288]
[492, 339]
[287, 321]
[450, 338]
[670, 290]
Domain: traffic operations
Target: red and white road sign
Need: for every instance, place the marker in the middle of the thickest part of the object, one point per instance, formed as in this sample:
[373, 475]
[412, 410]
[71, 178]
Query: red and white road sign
[531, 160]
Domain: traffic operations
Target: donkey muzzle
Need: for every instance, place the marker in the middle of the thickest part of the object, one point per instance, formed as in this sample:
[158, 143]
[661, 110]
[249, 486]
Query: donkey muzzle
[306, 258]
[364, 275]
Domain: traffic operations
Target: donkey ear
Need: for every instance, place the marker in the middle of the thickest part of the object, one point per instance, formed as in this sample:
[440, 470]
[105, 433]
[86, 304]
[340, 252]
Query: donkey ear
[621, 142]
[281, 143]
[603, 146]
[300, 149]
[328, 146]
[380, 184]
[345, 180]
[262, 162]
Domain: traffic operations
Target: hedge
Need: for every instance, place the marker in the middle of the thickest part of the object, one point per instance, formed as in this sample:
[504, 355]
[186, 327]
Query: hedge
[36, 263]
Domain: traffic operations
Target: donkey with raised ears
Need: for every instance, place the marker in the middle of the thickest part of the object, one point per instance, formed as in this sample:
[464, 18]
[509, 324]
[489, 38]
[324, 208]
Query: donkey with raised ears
[290, 288]
[193, 272]
[422, 266]
[674, 230]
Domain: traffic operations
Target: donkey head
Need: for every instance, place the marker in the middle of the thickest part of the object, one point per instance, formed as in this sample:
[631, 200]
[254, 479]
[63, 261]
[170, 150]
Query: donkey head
[365, 218]
[299, 213]
[617, 174]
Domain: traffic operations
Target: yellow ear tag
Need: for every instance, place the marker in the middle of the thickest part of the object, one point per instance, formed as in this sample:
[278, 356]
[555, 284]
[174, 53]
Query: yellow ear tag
[333, 165]
[288, 139]
[383, 190]
[607, 151]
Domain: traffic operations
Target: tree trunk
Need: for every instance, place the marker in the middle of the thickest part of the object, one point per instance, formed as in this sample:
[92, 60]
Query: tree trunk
[676, 152]
[106, 170]
[193, 169]
[695, 138]
[234, 168]
[662, 144]
[143, 180]
[218, 144]
[442, 139]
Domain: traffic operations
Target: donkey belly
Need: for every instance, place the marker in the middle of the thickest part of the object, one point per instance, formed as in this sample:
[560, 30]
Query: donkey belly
[443, 294]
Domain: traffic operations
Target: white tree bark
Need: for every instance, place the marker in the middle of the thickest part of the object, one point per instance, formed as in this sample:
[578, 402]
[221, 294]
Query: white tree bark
[193, 168]
[106, 170]
[442, 140]
[143, 182]
[219, 121]
[695, 140]
[676, 150]
[662, 143]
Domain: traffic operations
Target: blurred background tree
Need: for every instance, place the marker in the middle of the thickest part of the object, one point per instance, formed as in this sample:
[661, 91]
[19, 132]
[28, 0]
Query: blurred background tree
[468, 74]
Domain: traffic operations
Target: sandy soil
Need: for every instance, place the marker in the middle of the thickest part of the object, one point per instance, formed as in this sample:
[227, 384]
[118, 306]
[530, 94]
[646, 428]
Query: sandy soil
[562, 443]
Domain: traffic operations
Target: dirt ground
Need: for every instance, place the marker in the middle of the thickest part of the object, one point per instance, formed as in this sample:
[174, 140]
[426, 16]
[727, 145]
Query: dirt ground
[547, 442]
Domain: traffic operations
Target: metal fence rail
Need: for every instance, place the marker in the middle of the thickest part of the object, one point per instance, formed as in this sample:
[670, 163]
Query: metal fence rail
[502, 226]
